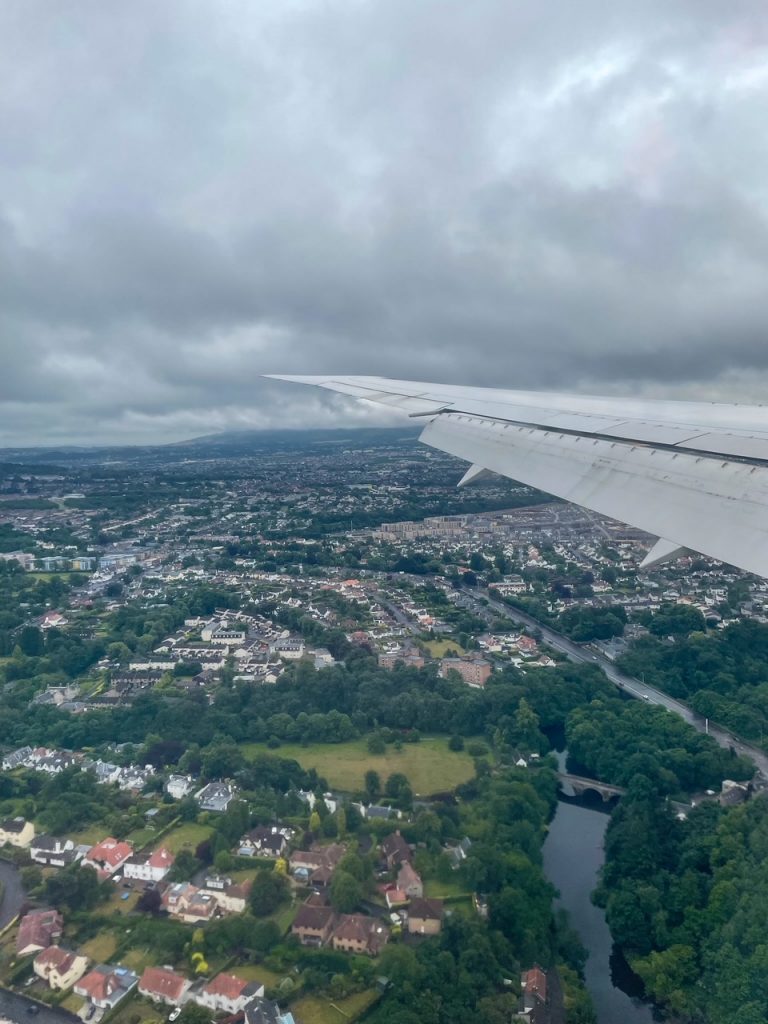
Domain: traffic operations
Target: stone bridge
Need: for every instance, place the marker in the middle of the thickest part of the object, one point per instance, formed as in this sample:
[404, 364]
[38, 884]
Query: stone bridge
[580, 785]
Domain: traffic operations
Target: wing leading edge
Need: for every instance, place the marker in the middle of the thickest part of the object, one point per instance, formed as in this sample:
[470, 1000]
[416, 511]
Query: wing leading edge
[693, 474]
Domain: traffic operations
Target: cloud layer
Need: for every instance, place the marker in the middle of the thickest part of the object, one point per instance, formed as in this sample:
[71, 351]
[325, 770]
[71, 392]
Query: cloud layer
[570, 196]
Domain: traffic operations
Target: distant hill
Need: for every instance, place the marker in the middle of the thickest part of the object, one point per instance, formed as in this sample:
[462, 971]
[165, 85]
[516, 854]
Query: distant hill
[233, 444]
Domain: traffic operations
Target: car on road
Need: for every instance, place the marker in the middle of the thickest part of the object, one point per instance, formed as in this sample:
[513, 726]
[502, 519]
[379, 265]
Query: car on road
[33, 1008]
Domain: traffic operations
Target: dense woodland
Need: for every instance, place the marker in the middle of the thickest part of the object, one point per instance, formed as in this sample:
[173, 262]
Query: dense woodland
[722, 674]
[688, 900]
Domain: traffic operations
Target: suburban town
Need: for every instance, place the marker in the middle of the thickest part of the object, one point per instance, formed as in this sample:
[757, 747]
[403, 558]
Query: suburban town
[263, 702]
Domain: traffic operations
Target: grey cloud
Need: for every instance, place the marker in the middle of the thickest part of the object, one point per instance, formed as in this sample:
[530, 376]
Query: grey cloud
[194, 194]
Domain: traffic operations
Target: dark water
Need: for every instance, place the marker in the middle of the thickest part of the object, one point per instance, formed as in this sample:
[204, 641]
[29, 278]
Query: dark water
[573, 854]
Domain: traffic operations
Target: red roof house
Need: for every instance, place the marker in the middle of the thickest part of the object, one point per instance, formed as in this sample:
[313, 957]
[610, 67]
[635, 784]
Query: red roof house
[163, 985]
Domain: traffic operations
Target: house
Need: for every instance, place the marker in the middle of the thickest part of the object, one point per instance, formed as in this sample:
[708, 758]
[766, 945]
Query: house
[38, 930]
[53, 852]
[231, 897]
[458, 854]
[409, 880]
[16, 759]
[162, 985]
[59, 967]
[533, 998]
[216, 796]
[379, 812]
[264, 1011]
[395, 898]
[108, 856]
[313, 925]
[179, 786]
[226, 993]
[395, 850]
[106, 985]
[356, 933]
[316, 865]
[152, 868]
[16, 832]
[188, 903]
[291, 650]
[53, 620]
[265, 841]
[425, 917]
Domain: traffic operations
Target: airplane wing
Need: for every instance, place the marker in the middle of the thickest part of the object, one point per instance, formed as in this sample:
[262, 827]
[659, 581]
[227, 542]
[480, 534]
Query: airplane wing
[693, 474]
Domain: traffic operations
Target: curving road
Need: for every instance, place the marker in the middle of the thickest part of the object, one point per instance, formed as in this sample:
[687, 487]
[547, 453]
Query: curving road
[630, 685]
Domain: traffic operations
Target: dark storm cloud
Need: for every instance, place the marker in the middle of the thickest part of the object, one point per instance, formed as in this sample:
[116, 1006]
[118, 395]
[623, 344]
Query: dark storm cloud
[568, 196]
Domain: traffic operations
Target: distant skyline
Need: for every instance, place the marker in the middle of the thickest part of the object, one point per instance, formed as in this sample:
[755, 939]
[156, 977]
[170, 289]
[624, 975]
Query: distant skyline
[567, 197]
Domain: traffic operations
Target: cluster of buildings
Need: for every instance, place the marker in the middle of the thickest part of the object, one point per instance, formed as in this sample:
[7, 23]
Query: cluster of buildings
[52, 762]
[103, 986]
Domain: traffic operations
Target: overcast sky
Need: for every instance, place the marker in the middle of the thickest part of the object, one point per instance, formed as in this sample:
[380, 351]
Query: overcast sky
[566, 195]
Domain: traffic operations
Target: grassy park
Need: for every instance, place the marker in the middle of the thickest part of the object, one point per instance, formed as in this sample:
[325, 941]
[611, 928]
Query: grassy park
[429, 765]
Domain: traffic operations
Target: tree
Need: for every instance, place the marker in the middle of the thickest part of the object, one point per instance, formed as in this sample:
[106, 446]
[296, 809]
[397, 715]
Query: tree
[184, 867]
[376, 744]
[150, 902]
[346, 892]
[526, 727]
[223, 861]
[193, 1013]
[372, 784]
[269, 890]
[31, 641]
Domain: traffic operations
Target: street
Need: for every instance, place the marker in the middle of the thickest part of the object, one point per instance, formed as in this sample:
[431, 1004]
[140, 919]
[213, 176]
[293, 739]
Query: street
[16, 1008]
[628, 684]
[12, 893]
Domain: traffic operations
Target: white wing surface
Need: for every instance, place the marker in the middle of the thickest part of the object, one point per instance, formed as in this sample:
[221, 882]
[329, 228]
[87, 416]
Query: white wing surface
[693, 474]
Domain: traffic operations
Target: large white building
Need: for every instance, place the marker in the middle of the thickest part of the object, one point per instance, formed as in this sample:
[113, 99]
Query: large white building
[152, 868]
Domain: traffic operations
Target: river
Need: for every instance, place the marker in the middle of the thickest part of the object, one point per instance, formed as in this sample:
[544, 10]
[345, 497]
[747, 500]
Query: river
[573, 855]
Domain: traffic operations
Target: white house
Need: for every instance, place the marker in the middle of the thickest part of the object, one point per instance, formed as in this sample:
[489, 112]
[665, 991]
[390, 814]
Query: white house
[152, 868]
[53, 852]
[17, 832]
[179, 786]
[226, 993]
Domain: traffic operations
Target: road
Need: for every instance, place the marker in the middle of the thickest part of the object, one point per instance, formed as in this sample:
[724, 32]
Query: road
[17, 1009]
[13, 894]
[628, 684]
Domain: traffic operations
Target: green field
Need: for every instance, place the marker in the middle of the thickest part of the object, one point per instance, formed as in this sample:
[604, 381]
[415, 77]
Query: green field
[435, 889]
[73, 1003]
[93, 834]
[257, 972]
[318, 1010]
[429, 765]
[186, 837]
[101, 947]
[439, 648]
